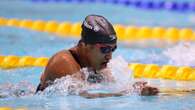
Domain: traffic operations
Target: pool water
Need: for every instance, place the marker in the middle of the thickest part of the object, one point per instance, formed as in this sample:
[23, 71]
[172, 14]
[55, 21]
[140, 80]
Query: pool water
[17, 86]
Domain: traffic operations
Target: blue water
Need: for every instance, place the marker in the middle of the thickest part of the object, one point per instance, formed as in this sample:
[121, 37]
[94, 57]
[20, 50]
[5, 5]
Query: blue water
[76, 12]
[21, 42]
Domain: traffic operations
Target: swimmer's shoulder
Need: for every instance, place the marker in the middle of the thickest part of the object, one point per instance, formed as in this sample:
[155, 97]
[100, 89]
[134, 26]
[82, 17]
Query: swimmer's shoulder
[64, 56]
[59, 65]
[62, 62]
[61, 55]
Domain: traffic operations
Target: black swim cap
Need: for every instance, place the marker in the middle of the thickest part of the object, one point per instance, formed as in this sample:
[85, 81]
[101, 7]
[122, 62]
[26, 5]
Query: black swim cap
[97, 29]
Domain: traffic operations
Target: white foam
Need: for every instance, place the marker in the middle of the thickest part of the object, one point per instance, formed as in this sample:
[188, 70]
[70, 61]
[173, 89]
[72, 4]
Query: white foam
[121, 72]
[20, 89]
[64, 86]
[182, 54]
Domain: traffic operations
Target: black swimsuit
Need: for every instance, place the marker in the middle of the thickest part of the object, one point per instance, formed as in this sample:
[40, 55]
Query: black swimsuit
[75, 57]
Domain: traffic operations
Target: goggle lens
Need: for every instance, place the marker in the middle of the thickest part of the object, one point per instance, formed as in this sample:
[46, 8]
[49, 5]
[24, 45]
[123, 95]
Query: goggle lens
[107, 49]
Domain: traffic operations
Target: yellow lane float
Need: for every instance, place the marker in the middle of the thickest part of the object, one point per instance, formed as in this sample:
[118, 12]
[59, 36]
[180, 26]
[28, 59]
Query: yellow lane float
[125, 33]
[153, 71]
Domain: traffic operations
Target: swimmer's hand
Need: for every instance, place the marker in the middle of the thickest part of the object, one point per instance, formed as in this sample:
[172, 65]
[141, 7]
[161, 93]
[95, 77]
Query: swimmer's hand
[141, 87]
[145, 90]
[98, 95]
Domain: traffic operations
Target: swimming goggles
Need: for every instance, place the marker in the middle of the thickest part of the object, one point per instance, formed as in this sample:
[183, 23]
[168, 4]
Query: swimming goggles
[105, 48]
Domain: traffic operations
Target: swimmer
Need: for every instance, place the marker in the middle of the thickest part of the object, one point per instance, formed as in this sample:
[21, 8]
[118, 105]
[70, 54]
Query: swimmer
[93, 51]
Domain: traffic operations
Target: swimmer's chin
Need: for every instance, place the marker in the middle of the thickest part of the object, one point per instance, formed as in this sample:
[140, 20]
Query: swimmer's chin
[103, 66]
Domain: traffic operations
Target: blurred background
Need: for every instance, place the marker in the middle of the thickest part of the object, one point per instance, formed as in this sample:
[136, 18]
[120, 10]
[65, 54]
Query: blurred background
[17, 86]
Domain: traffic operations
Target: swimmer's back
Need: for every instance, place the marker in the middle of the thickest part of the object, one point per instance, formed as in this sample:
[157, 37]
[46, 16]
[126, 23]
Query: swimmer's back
[61, 64]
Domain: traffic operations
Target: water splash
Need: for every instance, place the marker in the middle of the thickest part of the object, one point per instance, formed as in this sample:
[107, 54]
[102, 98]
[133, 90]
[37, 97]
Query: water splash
[64, 86]
[121, 72]
[182, 54]
[23, 88]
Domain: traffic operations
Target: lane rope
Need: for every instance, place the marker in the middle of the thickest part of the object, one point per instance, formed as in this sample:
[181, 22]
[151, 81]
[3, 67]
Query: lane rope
[142, 4]
[183, 73]
[124, 33]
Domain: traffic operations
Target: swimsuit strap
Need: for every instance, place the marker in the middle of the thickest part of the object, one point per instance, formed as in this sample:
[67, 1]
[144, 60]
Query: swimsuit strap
[75, 57]
[39, 88]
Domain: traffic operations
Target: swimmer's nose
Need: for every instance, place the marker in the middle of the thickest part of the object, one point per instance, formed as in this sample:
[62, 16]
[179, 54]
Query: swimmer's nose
[108, 56]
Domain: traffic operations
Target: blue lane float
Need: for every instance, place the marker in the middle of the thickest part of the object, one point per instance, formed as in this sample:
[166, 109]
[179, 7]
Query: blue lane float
[150, 5]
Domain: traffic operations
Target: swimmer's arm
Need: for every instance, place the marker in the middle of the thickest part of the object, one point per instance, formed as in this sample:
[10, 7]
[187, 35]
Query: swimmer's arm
[99, 95]
[175, 91]
[149, 90]
[141, 88]
[145, 91]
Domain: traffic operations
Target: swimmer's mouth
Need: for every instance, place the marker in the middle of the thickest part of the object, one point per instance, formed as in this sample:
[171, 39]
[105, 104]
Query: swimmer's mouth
[104, 64]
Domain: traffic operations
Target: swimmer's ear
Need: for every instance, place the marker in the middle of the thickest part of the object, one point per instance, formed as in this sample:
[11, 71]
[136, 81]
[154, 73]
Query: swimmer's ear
[82, 45]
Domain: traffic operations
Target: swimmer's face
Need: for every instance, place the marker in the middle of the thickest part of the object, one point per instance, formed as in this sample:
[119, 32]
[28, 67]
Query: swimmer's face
[100, 54]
